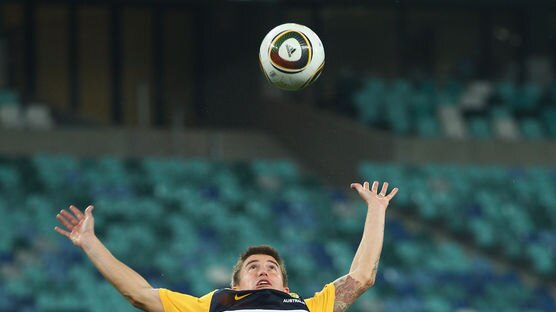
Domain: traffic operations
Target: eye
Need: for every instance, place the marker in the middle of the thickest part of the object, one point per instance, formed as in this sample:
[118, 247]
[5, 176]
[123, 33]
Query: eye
[272, 267]
[252, 267]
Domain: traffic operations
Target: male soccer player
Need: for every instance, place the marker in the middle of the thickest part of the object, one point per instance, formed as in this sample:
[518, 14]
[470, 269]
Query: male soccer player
[259, 281]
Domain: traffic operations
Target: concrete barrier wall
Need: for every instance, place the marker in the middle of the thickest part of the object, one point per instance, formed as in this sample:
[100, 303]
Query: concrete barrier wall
[128, 142]
[326, 144]
[335, 145]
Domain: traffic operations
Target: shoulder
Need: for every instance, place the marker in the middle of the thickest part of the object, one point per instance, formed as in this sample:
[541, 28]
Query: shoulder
[170, 293]
[176, 301]
[347, 290]
[322, 301]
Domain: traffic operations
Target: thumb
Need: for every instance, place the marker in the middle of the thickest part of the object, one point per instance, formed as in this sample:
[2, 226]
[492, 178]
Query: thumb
[89, 210]
[356, 186]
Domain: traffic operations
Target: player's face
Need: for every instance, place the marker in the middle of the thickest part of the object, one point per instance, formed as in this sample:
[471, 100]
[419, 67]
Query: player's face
[260, 272]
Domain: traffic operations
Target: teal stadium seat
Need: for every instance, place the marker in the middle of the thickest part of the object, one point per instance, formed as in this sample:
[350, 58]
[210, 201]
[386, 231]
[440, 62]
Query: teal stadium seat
[532, 129]
[504, 124]
[479, 128]
[423, 104]
[542, 257]
[398, 114]
[367, 104]
[10, 180]
[529, 98]
[508, 93]
[401, 86]
[548, 117]
[428, 127]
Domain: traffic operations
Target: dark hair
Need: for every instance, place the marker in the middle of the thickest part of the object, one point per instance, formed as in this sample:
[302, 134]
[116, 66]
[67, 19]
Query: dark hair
[258, 250]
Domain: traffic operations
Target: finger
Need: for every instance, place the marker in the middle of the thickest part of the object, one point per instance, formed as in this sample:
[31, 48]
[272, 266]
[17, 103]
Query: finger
[61, 231]
[65, 222]
[76, 212]
[384, 189]
[68, 216]
[89, 210]
[392, 193]
[366, 185]
[374, 188]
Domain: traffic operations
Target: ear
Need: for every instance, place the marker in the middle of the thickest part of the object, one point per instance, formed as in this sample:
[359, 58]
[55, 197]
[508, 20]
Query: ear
[287, 290]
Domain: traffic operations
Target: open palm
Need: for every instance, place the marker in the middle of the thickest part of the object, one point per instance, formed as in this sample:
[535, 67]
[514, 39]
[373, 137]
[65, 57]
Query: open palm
[371, 195]
[77, 225]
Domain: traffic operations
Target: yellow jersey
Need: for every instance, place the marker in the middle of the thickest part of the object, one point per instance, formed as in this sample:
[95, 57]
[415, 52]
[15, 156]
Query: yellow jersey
[261, 300]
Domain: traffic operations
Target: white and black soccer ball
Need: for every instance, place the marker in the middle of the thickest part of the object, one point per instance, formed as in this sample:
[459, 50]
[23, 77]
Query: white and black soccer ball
[291, 56]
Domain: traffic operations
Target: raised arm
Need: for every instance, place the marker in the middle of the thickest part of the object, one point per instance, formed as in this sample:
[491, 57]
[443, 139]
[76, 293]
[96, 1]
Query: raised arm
[79, 228]
[364, 266]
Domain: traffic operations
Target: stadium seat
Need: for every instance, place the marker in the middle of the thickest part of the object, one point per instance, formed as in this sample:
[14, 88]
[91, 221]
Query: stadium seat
[503, 123]
[427, 126]
[367, 106]
[452, 121]
[548, 117]
[398, 115]
[8, 96]
[532, 129]
[479, 128]
[542, 257]
[529, 98]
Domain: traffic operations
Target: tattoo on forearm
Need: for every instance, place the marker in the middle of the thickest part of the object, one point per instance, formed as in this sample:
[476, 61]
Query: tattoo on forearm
[347, 290]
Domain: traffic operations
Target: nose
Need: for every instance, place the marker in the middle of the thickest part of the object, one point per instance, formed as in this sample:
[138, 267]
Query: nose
[263, 273]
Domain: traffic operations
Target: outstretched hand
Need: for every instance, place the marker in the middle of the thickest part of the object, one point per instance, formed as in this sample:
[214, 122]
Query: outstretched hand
[78, 226]
[372, 197]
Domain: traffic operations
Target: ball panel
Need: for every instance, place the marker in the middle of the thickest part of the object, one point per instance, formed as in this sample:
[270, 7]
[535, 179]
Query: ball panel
[290, 51]
[315, 76]
[263, 70]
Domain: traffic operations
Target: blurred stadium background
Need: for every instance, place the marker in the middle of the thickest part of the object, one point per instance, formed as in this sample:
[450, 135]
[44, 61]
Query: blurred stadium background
[156, 112]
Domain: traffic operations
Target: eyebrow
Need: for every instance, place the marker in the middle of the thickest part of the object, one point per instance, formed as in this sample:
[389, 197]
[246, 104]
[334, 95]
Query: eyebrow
[271, 261]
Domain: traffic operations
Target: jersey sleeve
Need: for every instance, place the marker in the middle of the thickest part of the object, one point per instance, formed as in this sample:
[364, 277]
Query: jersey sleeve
[322, 301]
[178, 302]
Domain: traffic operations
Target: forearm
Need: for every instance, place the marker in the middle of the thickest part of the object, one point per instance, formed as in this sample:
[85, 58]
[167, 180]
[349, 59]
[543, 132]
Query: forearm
[365, 261]
[128, 282]
[364, 267]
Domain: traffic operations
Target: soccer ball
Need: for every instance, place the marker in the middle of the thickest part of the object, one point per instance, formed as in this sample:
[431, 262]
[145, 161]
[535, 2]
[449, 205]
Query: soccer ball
[291, 56]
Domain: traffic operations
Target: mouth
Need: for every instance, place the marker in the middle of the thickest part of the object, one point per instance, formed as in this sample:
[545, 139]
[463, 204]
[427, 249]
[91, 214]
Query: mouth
[263, 284]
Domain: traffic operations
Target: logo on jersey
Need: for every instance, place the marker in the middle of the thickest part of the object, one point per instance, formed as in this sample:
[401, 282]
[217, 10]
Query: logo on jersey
[293, 300]
[241, 297]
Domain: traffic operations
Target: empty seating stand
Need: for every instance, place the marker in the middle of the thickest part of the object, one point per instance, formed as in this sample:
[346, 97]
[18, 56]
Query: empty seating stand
[165, 216]
[478, 109]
